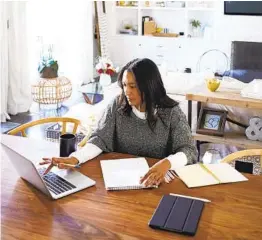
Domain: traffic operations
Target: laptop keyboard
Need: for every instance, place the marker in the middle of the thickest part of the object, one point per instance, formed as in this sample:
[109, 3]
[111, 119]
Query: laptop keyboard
[55, 183]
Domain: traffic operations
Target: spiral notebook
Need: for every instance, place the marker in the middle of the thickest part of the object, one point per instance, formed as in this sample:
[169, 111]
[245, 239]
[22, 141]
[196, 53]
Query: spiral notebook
[124, 174]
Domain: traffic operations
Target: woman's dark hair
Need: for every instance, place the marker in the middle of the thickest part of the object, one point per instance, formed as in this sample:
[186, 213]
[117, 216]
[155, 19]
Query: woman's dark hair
[150, 84]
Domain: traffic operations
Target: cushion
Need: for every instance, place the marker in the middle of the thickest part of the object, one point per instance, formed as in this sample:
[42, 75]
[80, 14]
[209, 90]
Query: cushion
[244, 75]
[181, 83]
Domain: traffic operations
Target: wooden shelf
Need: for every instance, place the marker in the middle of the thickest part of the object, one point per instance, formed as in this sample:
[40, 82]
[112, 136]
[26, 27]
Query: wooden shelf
[223, 96]
[163, 8]
[234, 139]
[201, 9]
[126, 7]
[165, 34]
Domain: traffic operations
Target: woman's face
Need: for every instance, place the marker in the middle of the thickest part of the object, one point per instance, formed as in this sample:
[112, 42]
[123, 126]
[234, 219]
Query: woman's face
[131, 90]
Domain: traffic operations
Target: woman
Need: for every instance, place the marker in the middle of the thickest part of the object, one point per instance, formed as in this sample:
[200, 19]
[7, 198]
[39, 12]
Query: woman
[142, 121]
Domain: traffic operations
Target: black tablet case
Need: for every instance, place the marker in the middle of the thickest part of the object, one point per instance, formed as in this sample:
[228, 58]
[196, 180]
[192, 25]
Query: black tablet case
[177, 214]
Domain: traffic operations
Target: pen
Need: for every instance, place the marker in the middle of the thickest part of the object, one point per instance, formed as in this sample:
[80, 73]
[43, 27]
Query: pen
[65, 164]
[71, 165]
[49, 168]
[201, 199]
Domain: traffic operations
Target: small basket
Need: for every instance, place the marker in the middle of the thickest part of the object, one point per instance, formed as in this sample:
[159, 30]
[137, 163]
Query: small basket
[51, 90]
[53, 133]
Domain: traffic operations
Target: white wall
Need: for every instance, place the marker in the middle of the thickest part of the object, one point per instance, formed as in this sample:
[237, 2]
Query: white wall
[237, 27]
[186, 52]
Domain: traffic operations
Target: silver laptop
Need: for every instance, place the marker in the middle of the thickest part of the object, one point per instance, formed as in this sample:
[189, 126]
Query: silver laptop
[25, 154]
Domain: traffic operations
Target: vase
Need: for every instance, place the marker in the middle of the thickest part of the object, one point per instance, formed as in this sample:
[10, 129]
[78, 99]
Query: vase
[196, 32]
[105, 79]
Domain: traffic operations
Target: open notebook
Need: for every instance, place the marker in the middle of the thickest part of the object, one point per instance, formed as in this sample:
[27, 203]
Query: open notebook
[122, 174]
[199, 175]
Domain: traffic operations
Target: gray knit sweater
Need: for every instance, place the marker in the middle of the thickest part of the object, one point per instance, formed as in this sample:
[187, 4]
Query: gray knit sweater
[117, 132]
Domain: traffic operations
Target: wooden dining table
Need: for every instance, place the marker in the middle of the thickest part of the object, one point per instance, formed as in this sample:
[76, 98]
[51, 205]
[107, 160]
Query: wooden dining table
[235, 211]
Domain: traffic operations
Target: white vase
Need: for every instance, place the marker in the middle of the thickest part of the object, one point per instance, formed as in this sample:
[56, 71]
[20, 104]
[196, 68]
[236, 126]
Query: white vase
[196, 32]
[105, 79]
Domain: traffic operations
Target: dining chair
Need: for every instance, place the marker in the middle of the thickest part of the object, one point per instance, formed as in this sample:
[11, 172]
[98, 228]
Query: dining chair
[64, 120]
[248, 161]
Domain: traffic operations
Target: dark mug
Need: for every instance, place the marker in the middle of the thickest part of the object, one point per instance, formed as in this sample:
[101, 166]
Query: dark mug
[67, 144]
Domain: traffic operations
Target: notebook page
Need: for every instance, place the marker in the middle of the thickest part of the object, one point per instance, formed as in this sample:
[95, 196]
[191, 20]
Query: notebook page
[195, 176]
[123, 173]
[226, 173]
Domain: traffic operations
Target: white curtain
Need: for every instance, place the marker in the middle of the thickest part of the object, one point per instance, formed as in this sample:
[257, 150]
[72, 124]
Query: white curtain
[4, 60]
[15, 83]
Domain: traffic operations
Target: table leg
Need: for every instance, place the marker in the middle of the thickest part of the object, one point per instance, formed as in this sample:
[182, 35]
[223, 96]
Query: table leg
[87, 99]
[189, 113]
[198, 143]
[198, 109]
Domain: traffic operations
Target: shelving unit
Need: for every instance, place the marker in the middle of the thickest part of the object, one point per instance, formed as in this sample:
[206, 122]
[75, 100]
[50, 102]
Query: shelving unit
[171, 50]
[230, 98]
[234, 139]
[174, 15]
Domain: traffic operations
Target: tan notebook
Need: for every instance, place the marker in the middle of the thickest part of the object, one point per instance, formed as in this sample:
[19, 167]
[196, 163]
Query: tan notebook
[199, 175]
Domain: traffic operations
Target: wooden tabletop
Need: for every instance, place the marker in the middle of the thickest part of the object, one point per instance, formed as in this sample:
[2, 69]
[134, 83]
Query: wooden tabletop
[94, 213]
[223, 96]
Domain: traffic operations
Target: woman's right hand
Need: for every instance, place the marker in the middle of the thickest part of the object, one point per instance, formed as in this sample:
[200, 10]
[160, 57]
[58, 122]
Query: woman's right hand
[61, 162]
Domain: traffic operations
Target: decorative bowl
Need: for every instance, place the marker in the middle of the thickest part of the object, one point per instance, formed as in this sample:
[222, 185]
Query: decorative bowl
[212, 84]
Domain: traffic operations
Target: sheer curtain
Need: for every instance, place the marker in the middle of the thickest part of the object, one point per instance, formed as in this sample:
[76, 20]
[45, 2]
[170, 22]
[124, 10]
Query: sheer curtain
[15, 83]
[4, 60]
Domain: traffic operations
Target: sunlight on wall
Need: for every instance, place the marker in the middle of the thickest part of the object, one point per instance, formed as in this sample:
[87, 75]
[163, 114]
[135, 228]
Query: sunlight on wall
[68, 26]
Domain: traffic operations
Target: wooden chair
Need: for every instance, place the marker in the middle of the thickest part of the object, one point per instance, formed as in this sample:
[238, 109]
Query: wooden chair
[64, 120]
[246, 160]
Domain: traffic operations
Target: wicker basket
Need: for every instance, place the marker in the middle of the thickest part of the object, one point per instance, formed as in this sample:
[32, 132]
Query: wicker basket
[54, 132]
[51, 90]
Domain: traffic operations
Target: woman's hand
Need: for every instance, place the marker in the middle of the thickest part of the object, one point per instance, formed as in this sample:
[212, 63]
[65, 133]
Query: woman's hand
[61, 162]
[156, 173]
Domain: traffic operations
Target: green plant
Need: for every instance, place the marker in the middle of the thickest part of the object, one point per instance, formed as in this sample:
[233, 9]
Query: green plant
[195, 23]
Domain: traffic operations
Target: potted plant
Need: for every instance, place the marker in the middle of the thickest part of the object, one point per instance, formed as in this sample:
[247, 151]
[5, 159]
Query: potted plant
[196, 24]
[48, 67]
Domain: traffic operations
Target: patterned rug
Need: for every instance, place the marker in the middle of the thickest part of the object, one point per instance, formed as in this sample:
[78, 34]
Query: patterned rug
[7, 126]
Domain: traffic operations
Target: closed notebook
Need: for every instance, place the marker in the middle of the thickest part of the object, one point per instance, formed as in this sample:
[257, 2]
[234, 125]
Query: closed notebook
[177, 214]
[199, 175]
[122, 174]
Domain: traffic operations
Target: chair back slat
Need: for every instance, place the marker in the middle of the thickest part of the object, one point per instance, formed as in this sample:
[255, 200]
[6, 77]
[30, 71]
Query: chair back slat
[64, 128]
[75, 128]
[23, 133]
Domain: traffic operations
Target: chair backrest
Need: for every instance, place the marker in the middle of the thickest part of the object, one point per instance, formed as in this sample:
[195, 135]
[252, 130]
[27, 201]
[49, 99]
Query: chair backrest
[249, 161]
[64, 120]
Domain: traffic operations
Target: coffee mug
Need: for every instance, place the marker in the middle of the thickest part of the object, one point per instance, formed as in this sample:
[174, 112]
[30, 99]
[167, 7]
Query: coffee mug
[67, 144]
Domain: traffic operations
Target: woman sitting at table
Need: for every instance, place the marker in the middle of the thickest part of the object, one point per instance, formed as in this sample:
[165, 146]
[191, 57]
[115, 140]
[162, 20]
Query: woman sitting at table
[142, 121]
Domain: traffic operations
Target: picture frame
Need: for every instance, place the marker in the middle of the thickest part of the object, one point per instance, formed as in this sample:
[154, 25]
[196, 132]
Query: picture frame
[211, 121]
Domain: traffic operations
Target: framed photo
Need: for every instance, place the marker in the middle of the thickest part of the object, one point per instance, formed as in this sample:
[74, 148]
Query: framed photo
[211, 122]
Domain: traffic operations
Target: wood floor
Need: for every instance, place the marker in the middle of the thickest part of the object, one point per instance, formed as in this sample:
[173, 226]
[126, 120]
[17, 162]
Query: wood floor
[38, 112]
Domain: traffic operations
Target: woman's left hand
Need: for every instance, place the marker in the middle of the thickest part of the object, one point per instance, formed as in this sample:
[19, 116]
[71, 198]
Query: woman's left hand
[156, 173]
